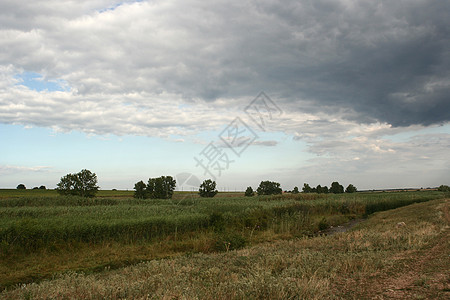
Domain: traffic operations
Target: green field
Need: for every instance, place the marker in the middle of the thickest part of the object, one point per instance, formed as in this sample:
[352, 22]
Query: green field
[42, 233]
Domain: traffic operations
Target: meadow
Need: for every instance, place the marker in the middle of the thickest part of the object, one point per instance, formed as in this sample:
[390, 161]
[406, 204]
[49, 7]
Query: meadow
[43, 234]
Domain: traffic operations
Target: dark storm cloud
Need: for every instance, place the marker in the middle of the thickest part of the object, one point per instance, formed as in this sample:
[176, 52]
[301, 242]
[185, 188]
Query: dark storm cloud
[364, 61]
[386, 61]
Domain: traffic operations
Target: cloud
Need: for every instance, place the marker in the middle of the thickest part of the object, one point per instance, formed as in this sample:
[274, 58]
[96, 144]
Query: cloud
[265, 143]
[10, 169]
[361, 61]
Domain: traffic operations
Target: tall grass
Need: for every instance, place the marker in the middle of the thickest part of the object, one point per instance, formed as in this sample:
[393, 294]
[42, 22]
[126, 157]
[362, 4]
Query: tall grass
[31, 223]
[343, 266]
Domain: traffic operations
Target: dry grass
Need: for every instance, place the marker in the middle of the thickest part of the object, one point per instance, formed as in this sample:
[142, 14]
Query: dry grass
[343, 266]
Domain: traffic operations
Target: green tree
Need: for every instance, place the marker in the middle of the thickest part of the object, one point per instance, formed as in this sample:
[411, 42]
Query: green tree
[83, 183]
[321, 189]
[208, 188]
[42, 187]
[444, 188]
[140, 190]
[249, 192]
[161, 187]
[350, 189]
[336, 188]
[21, 187]
[295, 190]
[268, 188]
[306, 188]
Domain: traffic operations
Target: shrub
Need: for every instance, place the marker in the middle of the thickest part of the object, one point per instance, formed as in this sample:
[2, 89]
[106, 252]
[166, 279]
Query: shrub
[21, 187]
[323, 224]
[230, 241]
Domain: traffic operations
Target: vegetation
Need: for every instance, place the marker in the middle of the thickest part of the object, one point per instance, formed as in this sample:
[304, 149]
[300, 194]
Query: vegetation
[444, 188]
[21, 186]
[306, 188]
[351, 189]
[208, 189]
[249, 192]
[352, 265]
[83, 183]
[268, 188]
[156, 188]
[140, 190]
[336, 188]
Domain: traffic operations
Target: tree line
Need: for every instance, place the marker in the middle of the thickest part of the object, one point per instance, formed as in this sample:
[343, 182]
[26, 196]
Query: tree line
[273, 188]
[84, 183]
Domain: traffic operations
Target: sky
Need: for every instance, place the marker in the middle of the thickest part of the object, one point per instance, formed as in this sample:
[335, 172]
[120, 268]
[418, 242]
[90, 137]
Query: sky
[295, 92]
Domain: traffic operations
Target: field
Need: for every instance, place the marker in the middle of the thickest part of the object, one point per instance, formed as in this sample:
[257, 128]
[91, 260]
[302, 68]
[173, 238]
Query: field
[115, 237]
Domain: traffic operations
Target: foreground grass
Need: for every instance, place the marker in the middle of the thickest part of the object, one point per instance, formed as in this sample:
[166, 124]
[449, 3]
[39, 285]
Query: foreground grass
[366, 263]
[45, 235]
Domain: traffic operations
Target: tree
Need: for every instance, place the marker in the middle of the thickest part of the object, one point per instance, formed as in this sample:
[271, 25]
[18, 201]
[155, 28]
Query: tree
[269, 188]
[444, 188]
[83, 183]
[208, 188]
[161, 187]
[336, 188]
[351, 189]
[249, 192]
[42, 187]
[21, 187]
[295, 190]
[140, 190]
[306, 188]
[321, 189]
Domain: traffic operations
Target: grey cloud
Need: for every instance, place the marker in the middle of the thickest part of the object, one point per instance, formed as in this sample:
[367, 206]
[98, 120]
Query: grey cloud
[265, 143]
[363, 61]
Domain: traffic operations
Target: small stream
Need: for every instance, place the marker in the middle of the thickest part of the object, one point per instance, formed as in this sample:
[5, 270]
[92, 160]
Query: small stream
[341, 228]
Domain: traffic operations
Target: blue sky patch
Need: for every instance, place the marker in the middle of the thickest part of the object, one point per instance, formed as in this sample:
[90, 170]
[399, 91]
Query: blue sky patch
[37, 82]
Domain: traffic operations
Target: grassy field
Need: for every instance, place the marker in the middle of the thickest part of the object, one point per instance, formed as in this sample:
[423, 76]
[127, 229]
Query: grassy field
[42, 234]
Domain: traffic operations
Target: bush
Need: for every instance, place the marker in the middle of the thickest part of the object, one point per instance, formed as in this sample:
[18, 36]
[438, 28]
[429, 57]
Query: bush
[323, 224]
[230, 241]
[21, 187]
